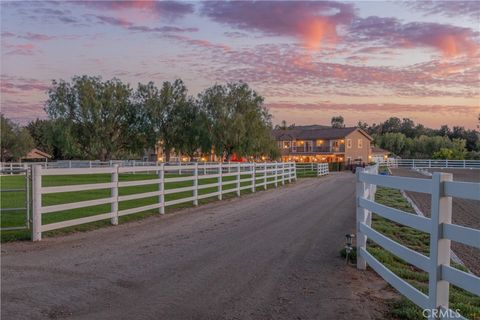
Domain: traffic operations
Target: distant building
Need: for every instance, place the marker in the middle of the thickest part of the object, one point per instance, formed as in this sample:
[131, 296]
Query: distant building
[36, 155]
[307, 144]
[379, 154]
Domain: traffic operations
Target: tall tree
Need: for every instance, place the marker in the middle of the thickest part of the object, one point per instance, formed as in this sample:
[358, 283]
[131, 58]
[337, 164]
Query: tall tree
[191, 130]
[15, 141]
[161, 111]
[337, 122]
[239, 123]
[99, 114]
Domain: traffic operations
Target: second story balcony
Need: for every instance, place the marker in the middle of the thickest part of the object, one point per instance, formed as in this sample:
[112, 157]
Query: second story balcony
[313, 149]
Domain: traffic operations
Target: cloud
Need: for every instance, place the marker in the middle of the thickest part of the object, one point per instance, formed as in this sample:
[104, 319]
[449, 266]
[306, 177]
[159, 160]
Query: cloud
[120, 22]
[27, 49]
[446, 8]
[169, 10]
[313, 23]
[450, 40]
[374, 107]
[10, 84]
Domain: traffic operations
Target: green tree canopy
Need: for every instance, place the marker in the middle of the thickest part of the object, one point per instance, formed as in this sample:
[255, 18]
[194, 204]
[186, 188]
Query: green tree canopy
[15, 141]
[98, 114]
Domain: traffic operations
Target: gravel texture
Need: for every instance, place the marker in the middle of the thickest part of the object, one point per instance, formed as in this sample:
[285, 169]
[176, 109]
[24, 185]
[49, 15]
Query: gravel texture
[268, 255]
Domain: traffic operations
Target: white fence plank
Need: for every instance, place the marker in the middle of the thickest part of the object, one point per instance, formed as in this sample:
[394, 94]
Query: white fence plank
[77, 187]
[402, 183]
[465, 235]
[466, 281]
[76, 205]
[407, 254]
[398, 283]
[464, 190]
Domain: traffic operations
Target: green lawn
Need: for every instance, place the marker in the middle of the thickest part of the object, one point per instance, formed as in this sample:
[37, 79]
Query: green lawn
[9, 200]
[468, 304]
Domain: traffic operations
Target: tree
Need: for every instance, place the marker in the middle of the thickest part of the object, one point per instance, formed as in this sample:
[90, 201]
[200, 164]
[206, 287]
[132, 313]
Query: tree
[282, 126]
[238, 122]
[337, 122]
[15, 141]
[41, 130]
[160, 109]
[393, 124]
[362, 125]
[408, 128]
[191, 130]
[392, 141]
[99, 115]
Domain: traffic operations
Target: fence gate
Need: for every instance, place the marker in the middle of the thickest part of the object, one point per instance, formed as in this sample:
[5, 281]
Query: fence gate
[15, 199]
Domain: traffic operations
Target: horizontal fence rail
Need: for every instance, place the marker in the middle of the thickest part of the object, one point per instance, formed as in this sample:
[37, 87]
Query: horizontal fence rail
[430, 163]
[439, 226]
[203, 180]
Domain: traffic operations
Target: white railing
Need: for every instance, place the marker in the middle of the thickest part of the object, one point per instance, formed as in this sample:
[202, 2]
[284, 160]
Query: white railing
[430, 163]
[254, 174]
[439, 226]
[312, 168]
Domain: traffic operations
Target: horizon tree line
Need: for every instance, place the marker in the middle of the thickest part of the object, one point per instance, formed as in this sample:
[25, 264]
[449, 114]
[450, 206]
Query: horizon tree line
[89, 118]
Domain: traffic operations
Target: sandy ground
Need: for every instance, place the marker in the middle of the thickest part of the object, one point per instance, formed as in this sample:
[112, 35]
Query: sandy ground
[269, 255]
[465, 212]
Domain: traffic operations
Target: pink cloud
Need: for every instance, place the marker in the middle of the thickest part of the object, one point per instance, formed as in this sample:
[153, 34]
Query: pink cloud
[10, 84]
[313, 23]
[142, 9]
[450, 40]
[27, 49]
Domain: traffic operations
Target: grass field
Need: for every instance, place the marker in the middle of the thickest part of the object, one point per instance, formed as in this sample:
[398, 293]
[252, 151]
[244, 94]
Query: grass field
[17, 199]
[468, 304]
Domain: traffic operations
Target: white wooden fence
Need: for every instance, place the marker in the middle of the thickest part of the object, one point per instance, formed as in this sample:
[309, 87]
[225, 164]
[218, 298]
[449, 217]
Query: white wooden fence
[430, 163]
[254, 174]
[312, 168]
[439, 226]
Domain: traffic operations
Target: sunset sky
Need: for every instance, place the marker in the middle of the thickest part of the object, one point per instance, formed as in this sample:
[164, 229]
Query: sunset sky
[310, 60]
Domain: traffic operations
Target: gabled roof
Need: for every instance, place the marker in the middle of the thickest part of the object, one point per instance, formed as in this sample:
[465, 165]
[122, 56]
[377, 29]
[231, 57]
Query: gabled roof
[37, 154]
[313, 134]
[380, 150]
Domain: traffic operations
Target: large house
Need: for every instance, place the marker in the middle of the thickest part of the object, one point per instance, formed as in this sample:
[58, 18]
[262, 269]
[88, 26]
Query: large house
[310, 144]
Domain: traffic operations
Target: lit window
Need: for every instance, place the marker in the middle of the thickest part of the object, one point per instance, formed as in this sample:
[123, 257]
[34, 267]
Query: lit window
[360, 143]
[349, 143]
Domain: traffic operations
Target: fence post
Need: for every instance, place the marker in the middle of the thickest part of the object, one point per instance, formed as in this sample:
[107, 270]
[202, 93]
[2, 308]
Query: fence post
[161, 188]
[361, 217]
[238, 179]
[195, 185]
[438, 289]
[253, 177]
[265, 175]
[114, 194]
[276, 174]
[289, 172]
[283, 173]
[220, 171]
[36, 202]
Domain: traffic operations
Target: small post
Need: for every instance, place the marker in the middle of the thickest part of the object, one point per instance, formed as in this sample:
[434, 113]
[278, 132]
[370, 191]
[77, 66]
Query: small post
[276, 174]
[253, 177]
[161, 188]
[195, 185]
[114, 194]
[220, 168]
[265, 176]
[36, 202]
[361, 217]
[289, 172]
[238, 179]
[283, 172]
[438, 289]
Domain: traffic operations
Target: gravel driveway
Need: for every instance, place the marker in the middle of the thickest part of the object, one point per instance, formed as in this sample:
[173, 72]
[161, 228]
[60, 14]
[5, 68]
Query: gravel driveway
[268, 255]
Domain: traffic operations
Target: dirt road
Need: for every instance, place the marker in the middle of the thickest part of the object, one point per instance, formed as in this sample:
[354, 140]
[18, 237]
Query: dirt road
[269, 255]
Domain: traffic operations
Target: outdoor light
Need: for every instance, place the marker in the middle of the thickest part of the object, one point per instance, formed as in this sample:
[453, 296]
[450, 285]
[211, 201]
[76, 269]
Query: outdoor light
[348, 245]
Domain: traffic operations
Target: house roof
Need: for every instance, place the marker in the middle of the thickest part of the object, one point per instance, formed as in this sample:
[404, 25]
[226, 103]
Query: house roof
[380, 150]
[37, 154]
[312, 134]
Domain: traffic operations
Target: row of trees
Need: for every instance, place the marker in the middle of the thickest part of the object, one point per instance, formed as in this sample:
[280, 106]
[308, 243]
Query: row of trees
[409, 140]
[89, 118]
